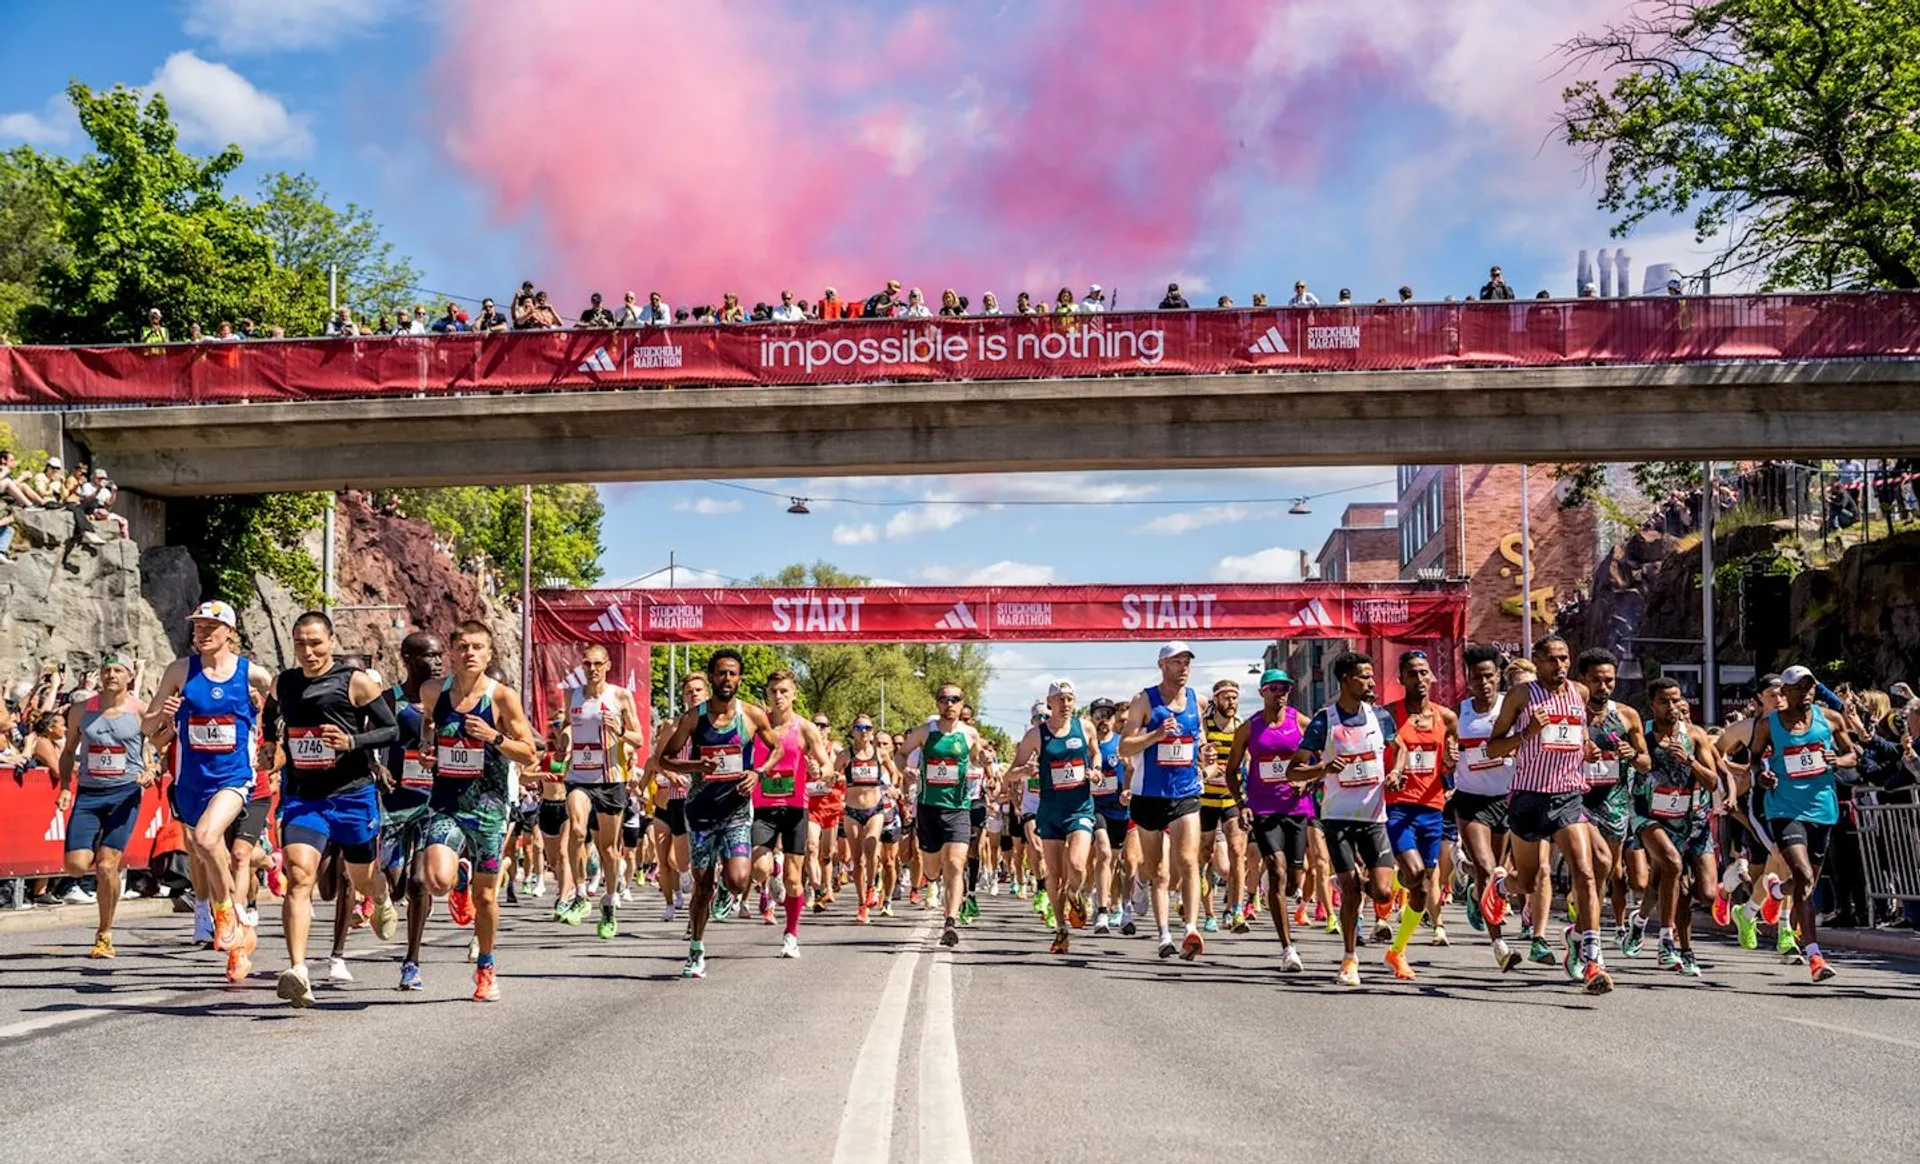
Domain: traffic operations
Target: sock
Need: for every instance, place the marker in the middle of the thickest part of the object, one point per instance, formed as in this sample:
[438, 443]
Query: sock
[1500, 884]
[1776, 890]
[1590, 946]
[1410, 920]
[1749, 910]
[973, 873]
[483, 962]
[794, 903]
[1166, 936]
[696, 946]
[1813, 949]
[1500, 947]
[1666, 935]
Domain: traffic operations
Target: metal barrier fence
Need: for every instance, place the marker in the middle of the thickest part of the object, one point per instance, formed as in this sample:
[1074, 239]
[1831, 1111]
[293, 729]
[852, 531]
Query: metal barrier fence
[1890, 850]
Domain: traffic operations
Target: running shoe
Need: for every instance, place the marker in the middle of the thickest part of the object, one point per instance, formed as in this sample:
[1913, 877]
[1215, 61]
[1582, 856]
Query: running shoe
[820, 902]
[668, 914]
[1493, 906]
[1240, 923]
[1301, 914]
[1439, 936]
[969, 910]
[276, 877]
[722, 902]
[1669, 956]
[485, 987]
[1538, 951]
[1788, 947]
[513, 896]
[561, 908]
[886, 909]
[240, 954]
[473, 950]
[1060, 943]
[1382, 931]
[1636, 938]
[766, 910]
[337, 970]
[1382, 910]
[1746, 926]
[1397, 962]
[225, 926]
[1100, 922]
[386, 919]
[1505, 957]
[410, 976]
[1769, 903]
[1290, 961]
[1040, 902]
[460, 901]
[1526, 919]
[294, 988]
[696, 964]
[861, 916]
[102, 946]
[1076, 912]
[1127, 926]
[1474, 917]
[1210, 924]
[789, 946]
[362, 912]
[1571, 960]
[249, 916]
[1722, 908]
[1689, 965]
[1818, 968]
[950, 934]
[1320, 912]
[1167, 947]
[1350, 972]
[1598, 981]
[1192, 946]
[609, 926]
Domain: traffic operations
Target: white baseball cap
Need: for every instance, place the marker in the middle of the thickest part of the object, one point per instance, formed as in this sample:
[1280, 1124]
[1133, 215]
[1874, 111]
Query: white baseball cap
[216, 611]
[1175, 649]
[1094, 289]
[1060, 687]
[1795, 675]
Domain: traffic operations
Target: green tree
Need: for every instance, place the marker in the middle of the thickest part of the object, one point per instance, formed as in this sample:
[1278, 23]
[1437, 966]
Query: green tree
[29, 232]
[757, 661]
[487, 519]
[233, 538]
[1794, 125]
[309, 236]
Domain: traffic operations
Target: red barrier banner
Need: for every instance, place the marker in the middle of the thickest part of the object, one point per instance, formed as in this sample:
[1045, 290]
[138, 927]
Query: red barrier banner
[33, 832]
[1003, 613]
[1525, 333]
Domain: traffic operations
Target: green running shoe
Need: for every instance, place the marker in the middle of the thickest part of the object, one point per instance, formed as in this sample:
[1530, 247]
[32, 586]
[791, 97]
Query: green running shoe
[1748, 928]
[609, 927]
[1636, 937]
[1040, 905]
[1474, 917]
[969, 911]
[1788, 947]
[1540, 952]
[1669, 958]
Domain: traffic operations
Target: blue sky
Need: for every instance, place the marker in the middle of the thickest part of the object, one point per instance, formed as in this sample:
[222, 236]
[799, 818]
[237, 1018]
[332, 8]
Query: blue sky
[1377, 144]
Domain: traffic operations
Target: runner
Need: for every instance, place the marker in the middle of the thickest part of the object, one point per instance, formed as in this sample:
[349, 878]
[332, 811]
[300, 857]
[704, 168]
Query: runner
[1543, 725]
[1759, 860]
[1670, 803]
[107, 751]
[866, 770]
[1163, 728]
[1480, 788]
[1428, 743]
[405, 796]
[670, 808]
[550, 818]
[826, 808]
[943, 821]
[476, 730]
[602, 729]
[1219, 814]
[332, 722]
[780, 804]
[210, 700]
[1348, 742]
[1277, 810]
[1112, 873]
[1061, 749]
[1617, 748]
[720, 731]
[1802, 746]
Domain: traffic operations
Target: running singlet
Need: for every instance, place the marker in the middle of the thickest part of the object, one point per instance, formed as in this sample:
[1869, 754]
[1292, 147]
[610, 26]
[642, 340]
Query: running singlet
[1671, 792]
[1474, 772]
[1214, 789]
[780, 786]
[1169, 768]
[714, 796]
[1358, 791]
[1608, 733]
[1064, 760]
[1425, 747]
[1802, 762]
[466, 771]
[113, 749]
[865, 771]
[594, 725]
[403, 757]
[313, 770]
[1106, 786]
[217, 725]
[943, 769]
[1555, 759]
[1270, 750]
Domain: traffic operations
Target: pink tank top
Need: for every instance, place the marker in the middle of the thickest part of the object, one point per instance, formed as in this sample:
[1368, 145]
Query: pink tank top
[1553, 760]
[785, 785]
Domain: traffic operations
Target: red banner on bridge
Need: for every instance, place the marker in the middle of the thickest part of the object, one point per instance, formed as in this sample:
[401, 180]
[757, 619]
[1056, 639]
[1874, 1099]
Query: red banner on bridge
[1526, 333]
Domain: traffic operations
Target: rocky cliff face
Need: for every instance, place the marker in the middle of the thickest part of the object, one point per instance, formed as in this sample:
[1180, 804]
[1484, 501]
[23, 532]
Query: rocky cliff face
[1864, 612]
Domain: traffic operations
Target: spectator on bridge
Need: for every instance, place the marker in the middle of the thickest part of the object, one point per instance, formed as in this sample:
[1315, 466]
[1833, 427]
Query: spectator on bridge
[1345, 298]
[1676, 287]
[1023, 305]
[342, 324]
[194, 334]
[830, 305]
[540, 315]
[409, 324]
[522, 301]
[1496, 286]
[491, 320]
[787, 312]
[1589, 290]
[989, 303]
[1173, 300]
[916, 307]
[1063, 303]
[951, 303]
[453, 322]
[154, 332]
[1303, 297]
[1406, 293]
[1226, 301]
[1094, 302]
[381, 326]
[884, 302]
[730, 309]
[656, 313]
[595, 315]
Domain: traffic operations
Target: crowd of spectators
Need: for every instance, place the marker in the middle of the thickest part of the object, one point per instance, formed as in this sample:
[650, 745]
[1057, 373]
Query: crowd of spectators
[87, 491]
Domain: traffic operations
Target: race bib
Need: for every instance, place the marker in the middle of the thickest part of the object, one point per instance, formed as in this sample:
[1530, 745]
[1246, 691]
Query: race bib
[106, 760]
[589, 758]
[1216, 778]
[308, 750]
[946, 772]
[1474, 754]
[1274, 770]
[212, 733]
[1422, 760]
[1670, 803]
[460, 759]
[1107, 783]
[412, 773]
[864, 774]
[1563, 733]
[729, 764]
[1363, 762]
[818, 788]
[1804, 761]
[1174, 753]
[1069, 775]
[1605, 770]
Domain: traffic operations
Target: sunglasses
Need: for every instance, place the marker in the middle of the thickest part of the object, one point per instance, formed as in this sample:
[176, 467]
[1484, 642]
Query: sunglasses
[821, 725]
[949, 699]
[863, 727]
[1283, 688]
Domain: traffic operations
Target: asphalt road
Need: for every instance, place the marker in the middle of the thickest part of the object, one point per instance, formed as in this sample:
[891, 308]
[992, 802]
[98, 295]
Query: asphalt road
[877, 1046]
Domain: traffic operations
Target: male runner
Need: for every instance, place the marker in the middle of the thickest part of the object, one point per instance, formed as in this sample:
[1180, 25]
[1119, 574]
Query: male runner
[1427, 737]
[1112, 872]
[1163, 729]
[866, 768]
[1759, 868]
[949, 750]
[404, 798]
[719, 733]
[602, 729]
[1802, 746]
[332, 724]
[780, 803]
[1543, 725]
[1063, 750]
[1219, 815]
[476, 729]
[1670, 803]
[1345, 749]
[1277, 810]
[210, 700]
[1480, 788]
[1617, 746]
[106, 749]
[670, 807]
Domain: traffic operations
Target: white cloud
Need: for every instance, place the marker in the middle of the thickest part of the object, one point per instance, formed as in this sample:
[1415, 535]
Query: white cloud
[214, 105]
[1278, 564]
[855, 535]
[930, 518]
[264, 26]
[1188, 520]
[707, 506]
[1005, 573]
[680, 577]
[53, 125]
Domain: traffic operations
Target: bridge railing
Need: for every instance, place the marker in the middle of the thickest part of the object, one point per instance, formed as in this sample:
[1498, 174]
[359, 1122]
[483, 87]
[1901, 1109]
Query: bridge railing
[1372, 337]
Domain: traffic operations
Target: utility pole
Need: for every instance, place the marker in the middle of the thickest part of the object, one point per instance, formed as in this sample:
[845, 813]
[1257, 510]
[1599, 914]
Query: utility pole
[328, 532]
[1709, 656]
[526, 590]
[1526, 565]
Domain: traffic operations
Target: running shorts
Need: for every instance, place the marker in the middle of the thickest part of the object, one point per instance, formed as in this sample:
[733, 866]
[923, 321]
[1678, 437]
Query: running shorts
[1416, 828]
[553, 817]
[1276, 833]
[1057, 823]
[1609, 809]
[977, 818]
[1539, 816]
[781, 826]
[1213, 816]
[103, 818]
[936, 828]
[632, 827]
[1354, 845]
[607, 800]
[1116, 833]
[729, 839]
[190, 799]
[1692, 838]
[398, 841]
[349, 822]
[249, 824]
[1815, 838]
[860, 816]
[673, 814]
[1157, 813]
[826, 812]
[480, 830]
[1449, 824]
[1487, 811]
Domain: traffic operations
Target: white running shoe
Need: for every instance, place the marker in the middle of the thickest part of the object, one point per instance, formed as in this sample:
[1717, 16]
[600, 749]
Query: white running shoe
[667, 914]
[293, 987]
[250, 916]
[1290, 961]
[337, 970]
[473, 949]
[789, 946]
[593, 885]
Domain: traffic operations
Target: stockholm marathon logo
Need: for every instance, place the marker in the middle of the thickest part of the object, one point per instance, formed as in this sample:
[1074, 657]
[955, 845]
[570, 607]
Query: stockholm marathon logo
[1319, 339]
[639, 356]
[1313, 614]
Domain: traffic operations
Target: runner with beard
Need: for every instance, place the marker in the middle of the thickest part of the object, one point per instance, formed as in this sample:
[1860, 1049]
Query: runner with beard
[1617, 749]
[949, 750]
[1221, 826]
[670, 808]
[1670, 801]
[1112, 871]
[404, 796]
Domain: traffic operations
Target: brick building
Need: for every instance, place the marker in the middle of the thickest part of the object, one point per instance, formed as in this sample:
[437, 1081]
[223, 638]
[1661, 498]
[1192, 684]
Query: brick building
[1364, 547]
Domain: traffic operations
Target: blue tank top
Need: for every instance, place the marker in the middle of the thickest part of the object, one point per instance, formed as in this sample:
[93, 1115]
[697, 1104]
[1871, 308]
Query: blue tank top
[1801, 762]
[1064, 761]
[715, 796]
[1170, 768]
[1106, 792]
[217, 726]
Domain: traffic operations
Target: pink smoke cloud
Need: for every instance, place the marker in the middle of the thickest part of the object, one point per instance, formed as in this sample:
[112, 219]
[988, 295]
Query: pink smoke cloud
[696, 148]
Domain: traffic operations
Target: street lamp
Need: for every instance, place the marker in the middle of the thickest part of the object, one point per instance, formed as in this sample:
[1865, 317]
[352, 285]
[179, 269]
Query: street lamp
[1300, 507]
[799, 506]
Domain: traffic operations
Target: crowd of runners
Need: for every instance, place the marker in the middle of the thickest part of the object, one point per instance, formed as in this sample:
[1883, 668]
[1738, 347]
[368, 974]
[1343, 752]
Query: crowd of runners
[1166, 810]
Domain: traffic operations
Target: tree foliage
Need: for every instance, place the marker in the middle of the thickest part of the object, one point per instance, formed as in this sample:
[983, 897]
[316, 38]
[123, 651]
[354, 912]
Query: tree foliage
[1792, 125]
[487, 519]
[29, 236]
[309, 236]
[232, 538]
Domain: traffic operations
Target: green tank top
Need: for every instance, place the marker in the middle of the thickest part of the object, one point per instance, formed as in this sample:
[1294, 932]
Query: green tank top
[943, 769]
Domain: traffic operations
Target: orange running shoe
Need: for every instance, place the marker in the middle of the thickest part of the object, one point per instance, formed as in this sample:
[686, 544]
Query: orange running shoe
[240, 953]
[1769, 904]
[1076, 912]
[1192, 946]
[1397, 962]
[1060, 943]
[1300, 914]
[225, 922]
[861, 916]
[460, 901]
[1598, 981]
[1817, 966]
[1493, 904]
[485, 988]
[1722, 909]
[1382, 910]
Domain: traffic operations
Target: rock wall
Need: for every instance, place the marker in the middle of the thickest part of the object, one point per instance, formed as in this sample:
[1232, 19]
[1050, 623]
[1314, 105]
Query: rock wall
[1863, 613]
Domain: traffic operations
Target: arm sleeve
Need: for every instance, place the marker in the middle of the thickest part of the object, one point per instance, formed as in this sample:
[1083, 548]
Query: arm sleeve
[385, 729]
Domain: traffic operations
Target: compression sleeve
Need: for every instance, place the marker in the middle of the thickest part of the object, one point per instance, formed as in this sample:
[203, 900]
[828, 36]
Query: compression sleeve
[385, 729]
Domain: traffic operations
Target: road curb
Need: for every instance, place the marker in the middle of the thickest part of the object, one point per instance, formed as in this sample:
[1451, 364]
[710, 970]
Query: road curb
[1892, 943]
[21, 921]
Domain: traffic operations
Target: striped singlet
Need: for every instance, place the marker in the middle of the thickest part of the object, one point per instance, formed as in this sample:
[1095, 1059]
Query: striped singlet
[1553, 760]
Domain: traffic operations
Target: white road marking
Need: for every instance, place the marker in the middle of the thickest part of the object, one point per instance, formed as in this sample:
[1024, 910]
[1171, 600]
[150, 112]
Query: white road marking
[866, 1122]
[1854, 1031]
[62, 1018]
[943, 1108]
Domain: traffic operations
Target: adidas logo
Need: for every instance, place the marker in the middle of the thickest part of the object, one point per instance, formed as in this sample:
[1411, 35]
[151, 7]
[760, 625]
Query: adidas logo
[959, 618]
[159, 814]
[1271, 344]
[1313, 614]
[56, 828]
[611, 621]
[599, 361]
[574, 678]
